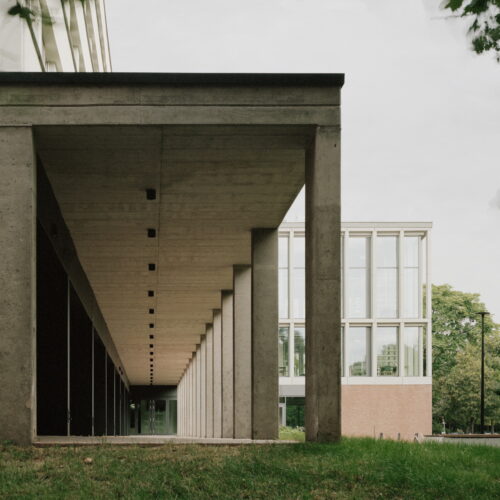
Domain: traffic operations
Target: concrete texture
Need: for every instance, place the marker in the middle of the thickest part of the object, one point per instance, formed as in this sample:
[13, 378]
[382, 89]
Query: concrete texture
[323, 275]
[369, 410]
[203, 388]
[227, 365]
[209, 380]
[264, 341]
[217, 328]
[17, 284]
[242, 311]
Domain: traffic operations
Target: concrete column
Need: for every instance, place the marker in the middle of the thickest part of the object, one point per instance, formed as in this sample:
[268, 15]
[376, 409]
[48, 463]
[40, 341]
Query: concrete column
[217, 373]
[265, 393]
[323, 320]
[242, 324]
[209, 377]
[198, 391]
[17, 285]
[203, 387]
[227, 365]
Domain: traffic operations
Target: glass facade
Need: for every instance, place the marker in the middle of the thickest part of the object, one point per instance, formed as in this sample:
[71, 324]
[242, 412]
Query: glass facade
[384, 276]
[387, 276]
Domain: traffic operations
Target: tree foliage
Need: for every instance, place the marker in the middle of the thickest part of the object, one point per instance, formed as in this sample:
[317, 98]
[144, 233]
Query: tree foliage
[485, 26]
[457, 359]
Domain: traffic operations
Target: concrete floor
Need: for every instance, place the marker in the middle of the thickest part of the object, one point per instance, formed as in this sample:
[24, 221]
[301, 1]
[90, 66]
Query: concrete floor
[143, 440]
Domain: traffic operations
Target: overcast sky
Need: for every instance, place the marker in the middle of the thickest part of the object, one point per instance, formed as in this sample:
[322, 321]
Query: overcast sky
[420, 111]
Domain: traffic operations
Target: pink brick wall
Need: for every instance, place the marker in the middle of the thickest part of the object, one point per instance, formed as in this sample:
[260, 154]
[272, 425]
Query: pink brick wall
[368, 410]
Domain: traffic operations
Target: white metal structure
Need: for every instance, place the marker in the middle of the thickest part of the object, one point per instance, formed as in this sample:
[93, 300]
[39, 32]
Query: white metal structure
[386, 305]
[56, 35]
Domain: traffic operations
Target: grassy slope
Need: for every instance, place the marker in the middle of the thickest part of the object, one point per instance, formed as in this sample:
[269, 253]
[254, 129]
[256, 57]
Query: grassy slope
[356, 468]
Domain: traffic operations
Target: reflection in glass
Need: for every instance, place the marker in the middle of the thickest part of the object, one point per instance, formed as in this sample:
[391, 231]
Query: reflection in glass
[386, 349]
[358, 347]
[412, 351]
[299, 277]
[299, 356]
[387, 276]
[283, 347]
[358, 272]
[411, 274]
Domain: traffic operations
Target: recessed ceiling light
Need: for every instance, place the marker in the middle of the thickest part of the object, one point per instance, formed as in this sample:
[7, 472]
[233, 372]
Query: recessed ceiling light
[150, 194]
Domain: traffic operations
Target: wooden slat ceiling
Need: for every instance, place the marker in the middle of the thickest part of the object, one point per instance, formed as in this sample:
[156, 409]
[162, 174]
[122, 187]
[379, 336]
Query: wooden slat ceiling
[213, 185]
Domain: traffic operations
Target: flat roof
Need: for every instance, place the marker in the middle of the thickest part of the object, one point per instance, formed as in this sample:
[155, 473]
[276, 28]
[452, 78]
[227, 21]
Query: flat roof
[216, 79]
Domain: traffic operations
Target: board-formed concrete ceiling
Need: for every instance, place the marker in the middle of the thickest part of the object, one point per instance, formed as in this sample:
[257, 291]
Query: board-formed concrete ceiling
[213, 185]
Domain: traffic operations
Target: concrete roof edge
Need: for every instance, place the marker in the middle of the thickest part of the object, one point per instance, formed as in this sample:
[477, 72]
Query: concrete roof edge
[229, 79]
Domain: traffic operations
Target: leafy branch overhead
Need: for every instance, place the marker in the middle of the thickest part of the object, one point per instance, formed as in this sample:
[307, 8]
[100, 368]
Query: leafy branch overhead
[485, 27]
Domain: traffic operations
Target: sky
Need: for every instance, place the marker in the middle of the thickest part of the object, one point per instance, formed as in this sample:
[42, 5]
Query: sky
[420, 110]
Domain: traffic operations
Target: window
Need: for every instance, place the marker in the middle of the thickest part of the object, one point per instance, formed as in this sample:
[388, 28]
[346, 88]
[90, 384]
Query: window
[358, 348]
[342, 351]
[299, 338]
[387, 351]
[411, 277]
[299, 277]
[387, 276]
[412, 343]
[283, 349]
[283, 276]
[358, 276]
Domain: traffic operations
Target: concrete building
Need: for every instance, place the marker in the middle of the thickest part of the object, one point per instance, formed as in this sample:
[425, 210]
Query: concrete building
[139, 219]
[54, 35]
[386, 323]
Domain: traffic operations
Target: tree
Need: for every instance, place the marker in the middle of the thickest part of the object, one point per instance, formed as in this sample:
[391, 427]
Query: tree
[457, 356]
[485, 27]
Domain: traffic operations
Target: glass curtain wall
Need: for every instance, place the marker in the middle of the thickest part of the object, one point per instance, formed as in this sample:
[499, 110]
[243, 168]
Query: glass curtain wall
[384, 276]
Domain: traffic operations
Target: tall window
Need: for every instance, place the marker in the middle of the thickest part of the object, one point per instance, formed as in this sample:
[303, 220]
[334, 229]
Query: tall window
[283, 347]
[299, 277]
[387, 352]
[358, 277]
[412, 342]
[387, 276]
[299, 338]
[283, 276]
[411, 277]
[358, 349]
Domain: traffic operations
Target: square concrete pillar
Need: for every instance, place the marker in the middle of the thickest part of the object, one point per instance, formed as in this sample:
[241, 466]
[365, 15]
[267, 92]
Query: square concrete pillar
[323, 321]
[217, 346]
[209, 380]
[17, 285]
[198, 391]
[265, 393]
[242, 324]
[203, 387]
[227, 364]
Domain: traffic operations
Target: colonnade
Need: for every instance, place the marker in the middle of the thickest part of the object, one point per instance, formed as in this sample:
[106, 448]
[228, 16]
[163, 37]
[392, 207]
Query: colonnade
[230, 387]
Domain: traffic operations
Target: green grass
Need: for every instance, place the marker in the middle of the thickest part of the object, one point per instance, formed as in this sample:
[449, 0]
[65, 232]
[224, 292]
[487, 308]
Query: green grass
[292, 434]
[355, 468]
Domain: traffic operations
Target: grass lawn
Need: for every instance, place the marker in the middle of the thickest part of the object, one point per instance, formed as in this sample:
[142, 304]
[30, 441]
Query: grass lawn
[355, 468]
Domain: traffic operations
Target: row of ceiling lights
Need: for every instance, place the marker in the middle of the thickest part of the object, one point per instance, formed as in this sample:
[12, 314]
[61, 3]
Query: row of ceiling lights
[151, 233]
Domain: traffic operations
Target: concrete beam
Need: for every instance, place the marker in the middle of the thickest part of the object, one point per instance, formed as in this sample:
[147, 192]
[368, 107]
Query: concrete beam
[18, 285]
[265, 334]
[323, 317]
[242, 321]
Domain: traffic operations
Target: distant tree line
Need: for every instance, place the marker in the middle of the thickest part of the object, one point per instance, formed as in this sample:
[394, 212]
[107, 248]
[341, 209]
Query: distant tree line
[456, 366]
